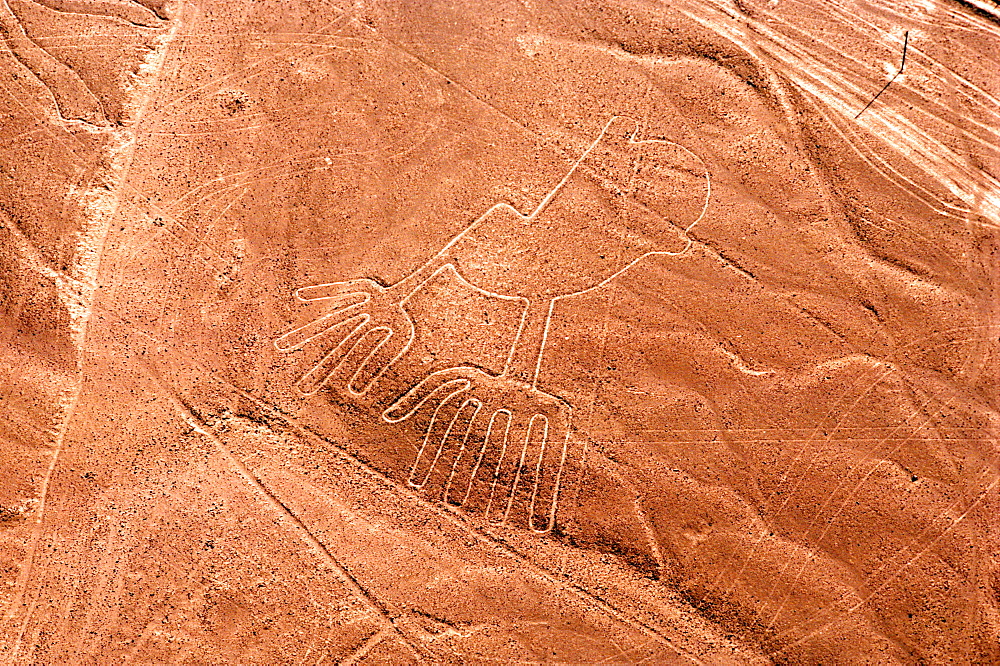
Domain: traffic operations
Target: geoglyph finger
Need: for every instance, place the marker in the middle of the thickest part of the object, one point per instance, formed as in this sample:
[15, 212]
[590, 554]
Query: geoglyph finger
[320, 292]
[466, 464]
[389, 349]
[532, 437]
[508, 471]
[546, 477]
[347, 308]
[487, 446]
[436, 437]
[314, 380]
[354, 360]
[414, 399]
[460, 454]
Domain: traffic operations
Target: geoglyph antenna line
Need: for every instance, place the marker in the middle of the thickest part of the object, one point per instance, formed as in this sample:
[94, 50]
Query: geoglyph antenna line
[555, 190]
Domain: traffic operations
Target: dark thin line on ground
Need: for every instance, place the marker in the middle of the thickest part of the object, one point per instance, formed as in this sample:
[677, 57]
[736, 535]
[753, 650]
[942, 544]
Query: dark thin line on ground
[906, 42]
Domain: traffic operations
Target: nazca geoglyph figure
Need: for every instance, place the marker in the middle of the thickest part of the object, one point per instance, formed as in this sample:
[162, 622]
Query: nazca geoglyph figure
[502, 439]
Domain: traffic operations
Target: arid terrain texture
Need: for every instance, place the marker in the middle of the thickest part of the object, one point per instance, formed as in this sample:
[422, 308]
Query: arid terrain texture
[520, 331]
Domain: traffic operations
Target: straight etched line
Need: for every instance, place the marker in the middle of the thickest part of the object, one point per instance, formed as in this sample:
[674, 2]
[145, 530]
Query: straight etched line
[453, 516]
[270, 498]
[89, 279]
[367, 646]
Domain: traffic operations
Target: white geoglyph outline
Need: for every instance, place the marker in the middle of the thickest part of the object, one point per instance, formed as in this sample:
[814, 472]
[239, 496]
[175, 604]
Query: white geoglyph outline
[352, 315]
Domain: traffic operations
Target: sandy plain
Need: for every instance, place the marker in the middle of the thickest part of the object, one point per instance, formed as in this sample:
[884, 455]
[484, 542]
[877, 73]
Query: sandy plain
[453, 332]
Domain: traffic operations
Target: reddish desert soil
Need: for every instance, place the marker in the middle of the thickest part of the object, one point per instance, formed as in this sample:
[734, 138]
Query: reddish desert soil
[587, 331]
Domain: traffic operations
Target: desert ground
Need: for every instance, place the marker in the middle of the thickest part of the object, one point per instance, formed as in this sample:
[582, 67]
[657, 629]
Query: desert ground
[521, 331]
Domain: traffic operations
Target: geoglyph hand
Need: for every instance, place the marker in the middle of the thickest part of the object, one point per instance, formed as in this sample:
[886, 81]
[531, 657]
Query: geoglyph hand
[366, 322]
[495, 445]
